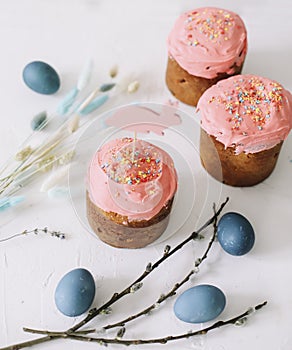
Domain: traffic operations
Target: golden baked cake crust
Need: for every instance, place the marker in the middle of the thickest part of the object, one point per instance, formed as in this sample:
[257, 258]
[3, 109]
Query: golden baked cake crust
[189, 88]
[243, 169]
[117, 231]
[244, 121]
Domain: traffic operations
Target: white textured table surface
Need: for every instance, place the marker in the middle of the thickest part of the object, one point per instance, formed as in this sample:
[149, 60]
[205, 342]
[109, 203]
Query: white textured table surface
[132, 34]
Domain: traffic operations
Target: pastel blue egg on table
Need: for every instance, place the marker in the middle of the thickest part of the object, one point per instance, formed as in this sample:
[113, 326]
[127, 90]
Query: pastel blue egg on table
[235, 234]
[75, 292]
[41, 78]
[200, 304]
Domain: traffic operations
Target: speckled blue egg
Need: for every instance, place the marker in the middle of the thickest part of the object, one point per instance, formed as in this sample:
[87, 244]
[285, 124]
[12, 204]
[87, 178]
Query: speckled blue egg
[41, 78]
[199, 304]
[75, 292]
[235, 234]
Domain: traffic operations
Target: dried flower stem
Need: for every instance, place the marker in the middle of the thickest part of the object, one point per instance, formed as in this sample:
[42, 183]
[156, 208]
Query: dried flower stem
[81, 84]
[23, 166]
[92, 95]
[35, 231]
[39, 154]
[173, 291]
[44, 149]
[58, 158]
[23, 145]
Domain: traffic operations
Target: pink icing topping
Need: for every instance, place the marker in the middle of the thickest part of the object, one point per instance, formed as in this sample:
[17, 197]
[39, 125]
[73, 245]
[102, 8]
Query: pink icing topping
[247, 112]
[208, 41]
[132, 178]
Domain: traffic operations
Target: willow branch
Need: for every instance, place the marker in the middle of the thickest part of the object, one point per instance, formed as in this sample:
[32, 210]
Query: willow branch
[29, 343]
[164, 340]
[174, 289]
[56, 334]
[127, 290]
[117, 296]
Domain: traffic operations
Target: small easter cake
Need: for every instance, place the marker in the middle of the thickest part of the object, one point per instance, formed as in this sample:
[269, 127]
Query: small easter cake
[244, 121]
[131, 186]
[205, 45]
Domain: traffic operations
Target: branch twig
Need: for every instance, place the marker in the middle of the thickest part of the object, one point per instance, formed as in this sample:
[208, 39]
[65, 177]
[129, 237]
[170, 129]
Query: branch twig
[56, 334]
[117, 296]
[164, 340]
[73, 331]
[173, 291]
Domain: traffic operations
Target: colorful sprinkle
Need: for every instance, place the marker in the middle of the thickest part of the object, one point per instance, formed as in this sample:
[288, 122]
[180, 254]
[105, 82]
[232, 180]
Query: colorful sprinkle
[251, 99]
[213, 24]
[134, 163]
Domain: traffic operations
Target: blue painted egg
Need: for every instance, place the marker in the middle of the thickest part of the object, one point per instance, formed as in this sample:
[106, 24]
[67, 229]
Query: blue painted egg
[235, 234]
[75, 292]
[199, 304]
[41, 78]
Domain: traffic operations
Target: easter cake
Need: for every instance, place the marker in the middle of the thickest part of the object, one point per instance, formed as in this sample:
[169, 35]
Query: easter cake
[131, 186]
[244, 121]
[204, 46]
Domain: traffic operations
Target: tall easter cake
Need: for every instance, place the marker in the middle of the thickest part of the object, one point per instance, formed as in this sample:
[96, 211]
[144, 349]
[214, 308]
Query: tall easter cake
[244, 121]
[204, 46]
[131, 185]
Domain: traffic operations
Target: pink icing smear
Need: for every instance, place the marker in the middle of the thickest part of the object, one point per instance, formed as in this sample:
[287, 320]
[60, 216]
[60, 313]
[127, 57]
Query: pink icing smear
[247, 112]
[132, 178]
[208, 41]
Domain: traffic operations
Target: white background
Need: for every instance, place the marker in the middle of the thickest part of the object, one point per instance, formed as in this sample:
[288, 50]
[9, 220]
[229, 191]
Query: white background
[132, 34]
